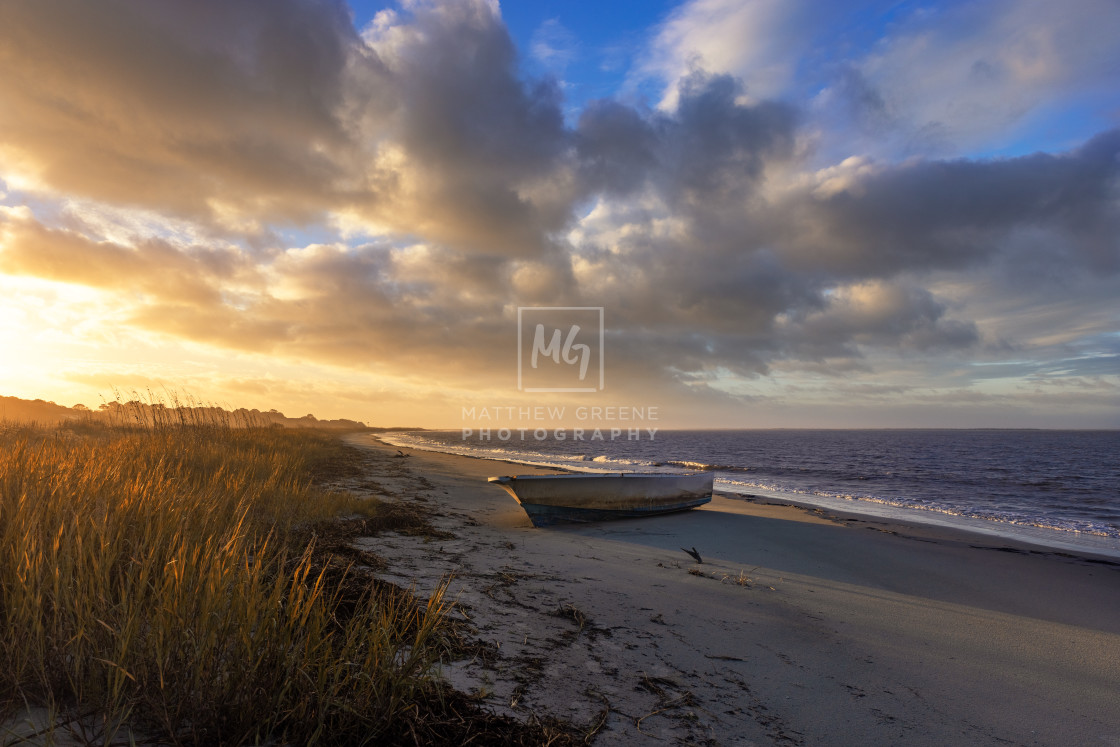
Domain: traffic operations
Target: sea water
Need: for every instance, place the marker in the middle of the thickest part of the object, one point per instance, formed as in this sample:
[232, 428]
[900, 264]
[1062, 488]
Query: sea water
[1057, 488]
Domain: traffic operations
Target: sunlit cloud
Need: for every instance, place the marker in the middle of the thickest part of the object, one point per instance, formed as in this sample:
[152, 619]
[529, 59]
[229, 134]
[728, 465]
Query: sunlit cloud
[750, 40]
[272, 203]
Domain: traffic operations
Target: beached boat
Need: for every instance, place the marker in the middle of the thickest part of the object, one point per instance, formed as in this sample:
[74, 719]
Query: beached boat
[563, 499]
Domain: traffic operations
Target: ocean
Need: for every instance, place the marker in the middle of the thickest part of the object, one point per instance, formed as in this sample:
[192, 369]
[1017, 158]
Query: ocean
[1056, 488]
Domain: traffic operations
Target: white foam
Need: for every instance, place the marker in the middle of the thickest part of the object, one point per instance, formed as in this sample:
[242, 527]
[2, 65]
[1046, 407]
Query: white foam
[1053, 538]
[1069, 538]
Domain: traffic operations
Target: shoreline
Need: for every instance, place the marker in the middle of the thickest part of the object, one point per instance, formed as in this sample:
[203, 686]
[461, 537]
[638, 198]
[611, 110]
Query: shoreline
[802, 626]
[1047, 538]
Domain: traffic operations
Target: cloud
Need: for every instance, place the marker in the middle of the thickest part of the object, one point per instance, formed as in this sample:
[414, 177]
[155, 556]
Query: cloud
[479, 153]
[712, 149]
[554, 46]
[187, 139]
[750, 40]
[894, 80]
[354, 308]
[957, 214]
[969, 75]
[905, 317]
[209, 110]
[153, 267]
[241, 116]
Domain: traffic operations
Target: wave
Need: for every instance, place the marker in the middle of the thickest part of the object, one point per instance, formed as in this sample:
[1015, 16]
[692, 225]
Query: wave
[604, 459]
[827, 480]
[708, 467]
[572, 462]
[838, 501]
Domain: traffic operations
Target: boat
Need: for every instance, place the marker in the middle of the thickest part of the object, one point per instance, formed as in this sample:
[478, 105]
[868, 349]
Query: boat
[580, 498]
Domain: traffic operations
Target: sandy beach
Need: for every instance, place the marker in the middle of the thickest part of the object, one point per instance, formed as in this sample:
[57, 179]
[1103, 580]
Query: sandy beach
[800, 627]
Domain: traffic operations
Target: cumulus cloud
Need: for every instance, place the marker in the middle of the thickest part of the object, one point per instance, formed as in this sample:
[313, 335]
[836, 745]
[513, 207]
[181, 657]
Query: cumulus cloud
[954, 214]
[713, 148]
[939, 80]
[211, 110]
[971, 74]
[241, 115]
[750, 40]
[903, 316]
[476, 152]
[365, 307]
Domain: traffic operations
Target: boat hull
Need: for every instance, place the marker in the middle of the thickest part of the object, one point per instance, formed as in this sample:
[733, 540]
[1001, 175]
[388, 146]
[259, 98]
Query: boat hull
[575, 499]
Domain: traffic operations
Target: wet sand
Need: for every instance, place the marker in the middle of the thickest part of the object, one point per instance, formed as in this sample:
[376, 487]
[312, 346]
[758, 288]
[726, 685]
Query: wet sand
[800, 627]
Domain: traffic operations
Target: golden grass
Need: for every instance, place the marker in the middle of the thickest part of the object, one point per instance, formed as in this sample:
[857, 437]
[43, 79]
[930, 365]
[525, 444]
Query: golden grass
[154, 585]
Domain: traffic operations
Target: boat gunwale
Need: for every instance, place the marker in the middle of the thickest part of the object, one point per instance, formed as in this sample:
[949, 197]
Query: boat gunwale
[506, 478]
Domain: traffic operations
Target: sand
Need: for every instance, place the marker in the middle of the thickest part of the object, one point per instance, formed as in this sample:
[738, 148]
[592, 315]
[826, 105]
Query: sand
[800, 626]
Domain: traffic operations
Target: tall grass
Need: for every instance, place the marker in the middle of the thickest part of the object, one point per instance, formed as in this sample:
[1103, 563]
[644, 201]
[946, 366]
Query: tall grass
[151, 588]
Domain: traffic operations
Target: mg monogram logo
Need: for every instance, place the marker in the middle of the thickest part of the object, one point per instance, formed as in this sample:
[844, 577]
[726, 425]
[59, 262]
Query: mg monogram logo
[553, 349]
[557, 346]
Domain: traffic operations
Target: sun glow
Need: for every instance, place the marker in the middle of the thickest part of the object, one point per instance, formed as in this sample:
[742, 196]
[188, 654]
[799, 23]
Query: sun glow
[42, 323]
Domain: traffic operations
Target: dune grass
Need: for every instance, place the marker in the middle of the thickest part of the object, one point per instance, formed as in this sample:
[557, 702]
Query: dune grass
[159, 584]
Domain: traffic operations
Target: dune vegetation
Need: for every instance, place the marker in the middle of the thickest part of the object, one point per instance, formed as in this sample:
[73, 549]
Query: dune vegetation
[164, 582]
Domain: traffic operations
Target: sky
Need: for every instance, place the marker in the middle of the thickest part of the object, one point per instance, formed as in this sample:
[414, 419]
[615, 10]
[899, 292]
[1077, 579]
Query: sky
[791, 214]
